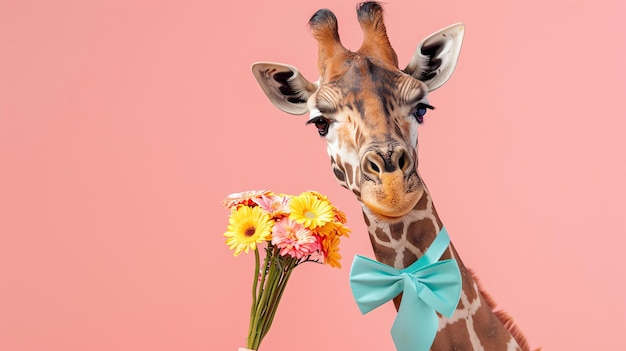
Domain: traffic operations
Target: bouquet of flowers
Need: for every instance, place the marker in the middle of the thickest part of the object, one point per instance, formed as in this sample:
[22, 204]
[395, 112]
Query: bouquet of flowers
[295, 230]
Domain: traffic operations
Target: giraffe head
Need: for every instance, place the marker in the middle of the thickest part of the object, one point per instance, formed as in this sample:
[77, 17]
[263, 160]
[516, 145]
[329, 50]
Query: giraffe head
[365, 107]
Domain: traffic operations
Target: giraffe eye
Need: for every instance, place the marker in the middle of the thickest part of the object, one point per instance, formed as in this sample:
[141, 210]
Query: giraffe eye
[321, 123]
[420, 111]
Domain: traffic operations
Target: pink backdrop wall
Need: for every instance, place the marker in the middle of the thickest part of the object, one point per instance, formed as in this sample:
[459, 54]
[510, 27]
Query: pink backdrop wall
[123, 124]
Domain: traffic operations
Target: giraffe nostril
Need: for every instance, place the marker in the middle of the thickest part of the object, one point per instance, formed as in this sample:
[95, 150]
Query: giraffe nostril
[374, 167]
[379, 161]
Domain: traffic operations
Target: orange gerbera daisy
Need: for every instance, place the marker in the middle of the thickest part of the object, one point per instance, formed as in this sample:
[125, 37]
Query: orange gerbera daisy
[330, 250]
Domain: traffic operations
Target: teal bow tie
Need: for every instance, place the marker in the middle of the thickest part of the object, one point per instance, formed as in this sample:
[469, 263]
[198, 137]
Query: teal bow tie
[428, 286]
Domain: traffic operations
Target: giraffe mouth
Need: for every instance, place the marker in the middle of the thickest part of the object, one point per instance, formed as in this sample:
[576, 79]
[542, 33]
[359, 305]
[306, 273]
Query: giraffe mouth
[393, 196]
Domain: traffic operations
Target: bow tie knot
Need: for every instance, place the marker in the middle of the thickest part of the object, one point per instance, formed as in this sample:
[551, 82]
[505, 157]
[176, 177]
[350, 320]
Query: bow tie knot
[428, 286]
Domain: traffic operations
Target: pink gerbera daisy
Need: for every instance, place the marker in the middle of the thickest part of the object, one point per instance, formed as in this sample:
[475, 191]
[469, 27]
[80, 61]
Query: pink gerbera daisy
[275, 205]
[294, 239]
[245, 198]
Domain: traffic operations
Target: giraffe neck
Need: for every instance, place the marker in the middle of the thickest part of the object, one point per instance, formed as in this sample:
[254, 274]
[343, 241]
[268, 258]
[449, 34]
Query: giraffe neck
[401, 241]
[474, 325]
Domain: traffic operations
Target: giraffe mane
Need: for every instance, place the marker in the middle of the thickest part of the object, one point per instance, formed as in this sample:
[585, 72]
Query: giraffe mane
[503, 316]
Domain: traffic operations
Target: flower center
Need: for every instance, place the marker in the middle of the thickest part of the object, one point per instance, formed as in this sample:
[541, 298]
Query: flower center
[250, 231]
[291, 234]
[309, 215]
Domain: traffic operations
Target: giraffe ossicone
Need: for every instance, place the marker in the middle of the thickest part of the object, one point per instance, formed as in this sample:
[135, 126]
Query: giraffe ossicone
[368, 110]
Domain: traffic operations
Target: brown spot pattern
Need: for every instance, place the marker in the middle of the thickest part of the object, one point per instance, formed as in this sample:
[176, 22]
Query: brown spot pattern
[421, 233]
[396, 229]
[384, 254]
[408, 257]
[454, 337]
[382, 235]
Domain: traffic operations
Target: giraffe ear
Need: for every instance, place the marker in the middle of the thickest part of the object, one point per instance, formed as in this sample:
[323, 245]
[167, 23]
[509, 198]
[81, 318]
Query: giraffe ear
[436, 56]
[286, 88]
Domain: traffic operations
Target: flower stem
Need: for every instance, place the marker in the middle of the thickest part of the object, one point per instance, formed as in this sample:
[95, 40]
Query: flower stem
[268, 282]
[268, 292]
[257, 304]
[255, 280]
[278, 294]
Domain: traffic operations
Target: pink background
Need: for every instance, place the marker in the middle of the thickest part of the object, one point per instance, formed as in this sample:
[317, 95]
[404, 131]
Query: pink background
[123, 125]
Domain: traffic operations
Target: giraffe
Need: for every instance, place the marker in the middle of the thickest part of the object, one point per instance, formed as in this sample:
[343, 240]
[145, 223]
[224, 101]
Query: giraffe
[368, 111]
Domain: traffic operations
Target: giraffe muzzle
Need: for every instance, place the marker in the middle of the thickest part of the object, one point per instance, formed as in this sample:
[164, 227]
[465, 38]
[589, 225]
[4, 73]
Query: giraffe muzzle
[390, 185]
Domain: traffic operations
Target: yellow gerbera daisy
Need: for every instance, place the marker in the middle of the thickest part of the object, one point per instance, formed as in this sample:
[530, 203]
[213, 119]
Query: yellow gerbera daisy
[339, 215]
[248, 226]
[308, 210]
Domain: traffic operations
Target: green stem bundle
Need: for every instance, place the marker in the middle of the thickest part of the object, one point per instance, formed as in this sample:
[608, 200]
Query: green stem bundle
[267, 292]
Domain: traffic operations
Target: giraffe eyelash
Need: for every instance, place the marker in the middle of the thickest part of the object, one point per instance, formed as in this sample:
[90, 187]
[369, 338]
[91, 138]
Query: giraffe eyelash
[421, 104]
[321, 123]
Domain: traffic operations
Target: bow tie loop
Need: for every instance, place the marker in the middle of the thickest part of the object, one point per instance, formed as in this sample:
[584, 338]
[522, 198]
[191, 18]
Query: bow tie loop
[428, 286]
